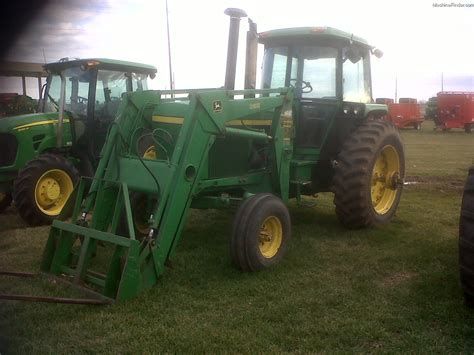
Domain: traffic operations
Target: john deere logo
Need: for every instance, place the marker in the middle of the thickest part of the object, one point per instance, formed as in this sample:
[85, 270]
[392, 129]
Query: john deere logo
[217, 106]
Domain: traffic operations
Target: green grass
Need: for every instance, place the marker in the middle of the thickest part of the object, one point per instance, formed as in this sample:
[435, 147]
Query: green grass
[439, 154]
[393, 289]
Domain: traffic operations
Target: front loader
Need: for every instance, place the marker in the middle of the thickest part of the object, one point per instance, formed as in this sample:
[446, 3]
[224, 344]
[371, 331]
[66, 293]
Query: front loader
[311, 128]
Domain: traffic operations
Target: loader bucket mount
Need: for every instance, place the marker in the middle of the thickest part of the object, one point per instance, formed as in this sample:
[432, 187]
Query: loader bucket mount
[71, 247]
[63, 256]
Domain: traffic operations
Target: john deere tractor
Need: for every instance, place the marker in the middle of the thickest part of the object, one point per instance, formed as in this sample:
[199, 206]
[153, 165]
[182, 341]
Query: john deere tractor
[43, 154]
[311, 128]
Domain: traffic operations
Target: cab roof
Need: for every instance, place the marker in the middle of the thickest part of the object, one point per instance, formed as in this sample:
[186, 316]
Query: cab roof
[101, 63]
[327, 33]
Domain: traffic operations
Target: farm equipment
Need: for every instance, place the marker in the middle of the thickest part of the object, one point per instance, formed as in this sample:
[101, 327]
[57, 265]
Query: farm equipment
[405, 113]
[13, 104]
[455, 110]
[431, 109]
[44, 153]
[466, 240]
[309, 129]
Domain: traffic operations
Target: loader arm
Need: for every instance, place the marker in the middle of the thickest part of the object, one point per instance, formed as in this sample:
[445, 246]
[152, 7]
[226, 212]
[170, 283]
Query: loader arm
[183, 133]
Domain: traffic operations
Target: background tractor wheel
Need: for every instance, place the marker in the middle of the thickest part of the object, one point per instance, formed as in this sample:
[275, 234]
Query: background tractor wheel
[418, 126]
[468, 128]
[368, 175]
[261, 233]
[43, 187]
[466, 240]
[5, 201]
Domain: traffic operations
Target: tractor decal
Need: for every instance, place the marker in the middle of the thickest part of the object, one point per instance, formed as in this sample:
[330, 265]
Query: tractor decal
[40, 123]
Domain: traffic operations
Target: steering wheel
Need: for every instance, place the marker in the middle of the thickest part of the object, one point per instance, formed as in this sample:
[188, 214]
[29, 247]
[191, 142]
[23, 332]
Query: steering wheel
[305, 88]
[82, 100]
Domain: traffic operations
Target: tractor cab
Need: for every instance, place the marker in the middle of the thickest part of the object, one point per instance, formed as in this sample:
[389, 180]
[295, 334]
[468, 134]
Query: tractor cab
[330, 72]
[91, 91]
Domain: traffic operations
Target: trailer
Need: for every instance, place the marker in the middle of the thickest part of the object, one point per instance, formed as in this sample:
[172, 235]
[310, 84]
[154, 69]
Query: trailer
[406, 113]
[455, 110]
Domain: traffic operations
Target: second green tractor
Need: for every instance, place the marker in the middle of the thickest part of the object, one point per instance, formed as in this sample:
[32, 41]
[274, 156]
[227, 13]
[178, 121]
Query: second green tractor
[43, 154]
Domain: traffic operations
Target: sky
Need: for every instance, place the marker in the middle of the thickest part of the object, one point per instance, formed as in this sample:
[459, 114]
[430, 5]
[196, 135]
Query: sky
[421, 42]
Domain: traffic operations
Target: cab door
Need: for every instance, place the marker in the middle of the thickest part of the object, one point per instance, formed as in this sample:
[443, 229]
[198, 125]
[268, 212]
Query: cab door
[109, 89]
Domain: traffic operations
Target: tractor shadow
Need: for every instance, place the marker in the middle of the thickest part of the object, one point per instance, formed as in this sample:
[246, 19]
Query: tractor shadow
[10, 219]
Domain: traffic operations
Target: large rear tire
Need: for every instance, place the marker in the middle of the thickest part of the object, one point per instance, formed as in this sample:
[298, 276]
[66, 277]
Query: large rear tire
[43, 187]
[466, 240]
[369, 175]
[261, 233]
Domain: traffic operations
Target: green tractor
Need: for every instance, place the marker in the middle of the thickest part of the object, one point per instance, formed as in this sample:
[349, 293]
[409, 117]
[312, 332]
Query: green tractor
[43, 154]
[311, 128]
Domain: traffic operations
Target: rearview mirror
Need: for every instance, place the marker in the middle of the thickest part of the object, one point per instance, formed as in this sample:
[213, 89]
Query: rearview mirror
[353, 55]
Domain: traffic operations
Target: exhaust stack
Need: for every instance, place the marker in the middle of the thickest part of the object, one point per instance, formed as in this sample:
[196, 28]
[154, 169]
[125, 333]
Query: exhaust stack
[251, 57]
[233, 44]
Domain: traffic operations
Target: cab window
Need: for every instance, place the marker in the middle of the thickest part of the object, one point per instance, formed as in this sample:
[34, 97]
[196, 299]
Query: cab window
[110, 87]
[312, 70]
[355, 74]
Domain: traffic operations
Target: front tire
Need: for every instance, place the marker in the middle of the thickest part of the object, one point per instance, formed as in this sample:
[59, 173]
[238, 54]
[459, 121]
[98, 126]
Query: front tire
[466, 240]
[261, 233]
[369, 175]
[43, 187]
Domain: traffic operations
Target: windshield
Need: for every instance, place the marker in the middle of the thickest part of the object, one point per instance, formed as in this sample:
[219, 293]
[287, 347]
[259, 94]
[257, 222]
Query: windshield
[110, 87]
[313, 70]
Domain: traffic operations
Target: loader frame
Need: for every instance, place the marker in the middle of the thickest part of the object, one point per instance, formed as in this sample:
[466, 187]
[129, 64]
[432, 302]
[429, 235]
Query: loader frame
[179, 182]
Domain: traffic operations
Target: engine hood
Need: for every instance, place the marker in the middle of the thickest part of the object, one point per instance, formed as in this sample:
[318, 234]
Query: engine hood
[21, 122]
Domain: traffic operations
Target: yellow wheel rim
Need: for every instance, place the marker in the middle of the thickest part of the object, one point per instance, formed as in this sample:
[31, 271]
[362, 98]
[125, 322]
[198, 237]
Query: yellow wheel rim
[385, 175]
[2, 196]
[52, 191]
[271, 236]
[150, 153]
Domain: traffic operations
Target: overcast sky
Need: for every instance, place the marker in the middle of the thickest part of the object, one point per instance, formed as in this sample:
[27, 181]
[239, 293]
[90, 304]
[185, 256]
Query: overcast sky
[419, 41]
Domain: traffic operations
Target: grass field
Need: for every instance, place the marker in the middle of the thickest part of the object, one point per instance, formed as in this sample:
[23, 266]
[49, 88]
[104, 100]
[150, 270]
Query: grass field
[393, 289]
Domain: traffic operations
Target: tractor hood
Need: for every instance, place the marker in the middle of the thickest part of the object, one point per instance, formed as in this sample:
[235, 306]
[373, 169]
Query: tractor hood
[22, 122]
[24, 137]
